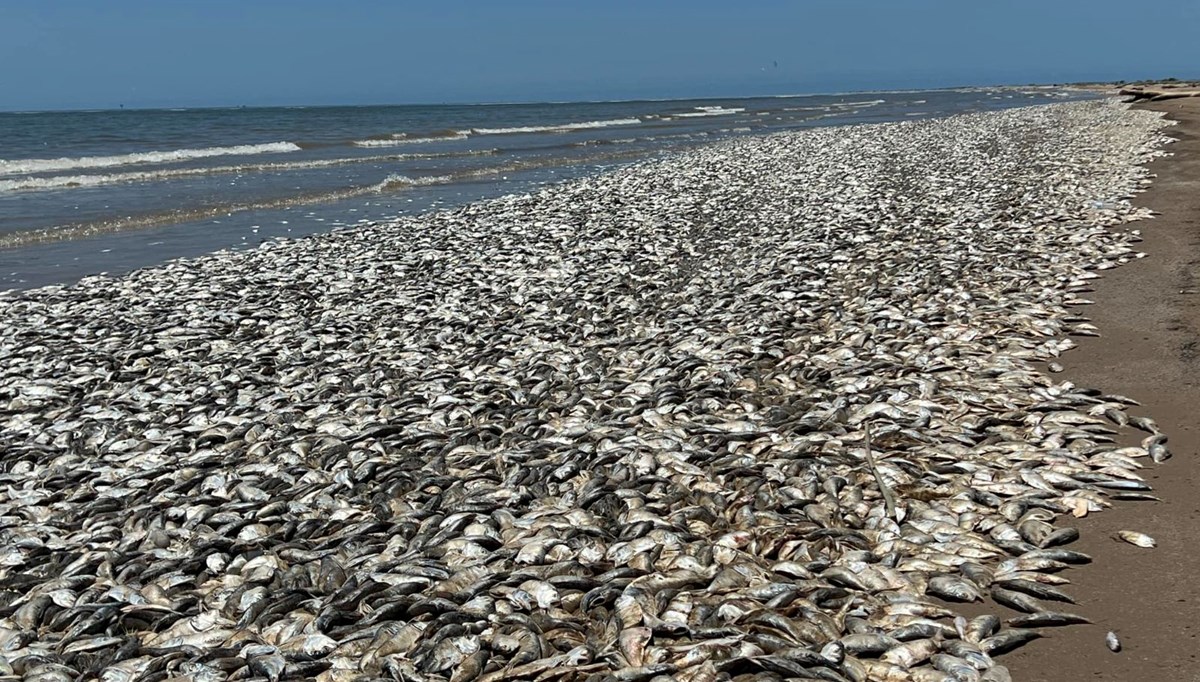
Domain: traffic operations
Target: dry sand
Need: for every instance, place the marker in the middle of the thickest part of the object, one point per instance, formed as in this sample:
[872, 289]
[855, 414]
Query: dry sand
[1148, 313]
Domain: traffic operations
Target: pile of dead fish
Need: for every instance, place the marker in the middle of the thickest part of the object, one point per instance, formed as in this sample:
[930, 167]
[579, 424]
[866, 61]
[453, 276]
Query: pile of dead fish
[759, 411]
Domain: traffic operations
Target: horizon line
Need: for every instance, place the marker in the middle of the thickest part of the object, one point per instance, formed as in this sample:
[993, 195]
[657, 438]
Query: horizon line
[568, 101]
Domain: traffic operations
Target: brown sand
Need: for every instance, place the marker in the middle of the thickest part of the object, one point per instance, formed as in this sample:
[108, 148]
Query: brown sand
[1148, 313]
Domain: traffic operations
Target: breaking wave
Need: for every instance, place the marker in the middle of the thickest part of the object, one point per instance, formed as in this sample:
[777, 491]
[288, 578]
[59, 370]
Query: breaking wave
[864, 103]
[403, 138]
[702, 112]
[78, 181]
[396, 181]
[391, 183]
[564, 127]
[23, 166]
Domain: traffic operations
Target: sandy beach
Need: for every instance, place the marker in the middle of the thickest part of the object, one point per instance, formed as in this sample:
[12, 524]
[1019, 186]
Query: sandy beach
[1149, 317]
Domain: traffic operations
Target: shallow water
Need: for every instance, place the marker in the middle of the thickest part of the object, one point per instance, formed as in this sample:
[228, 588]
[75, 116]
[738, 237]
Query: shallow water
[111, 191]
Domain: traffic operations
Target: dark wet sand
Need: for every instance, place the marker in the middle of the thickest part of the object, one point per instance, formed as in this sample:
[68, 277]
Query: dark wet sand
[1148, 313]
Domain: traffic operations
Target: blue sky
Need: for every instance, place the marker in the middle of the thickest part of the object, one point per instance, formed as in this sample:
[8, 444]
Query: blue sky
[85, 54]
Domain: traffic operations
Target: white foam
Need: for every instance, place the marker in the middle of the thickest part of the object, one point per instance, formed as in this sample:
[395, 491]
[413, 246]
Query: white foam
[401, 138]
[394, 181]
[21, 166]
[711, 111]
[76, 181]
[865, 103]
[565, 127]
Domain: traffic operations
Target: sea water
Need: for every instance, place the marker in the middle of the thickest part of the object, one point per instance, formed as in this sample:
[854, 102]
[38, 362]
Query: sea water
[87, 192]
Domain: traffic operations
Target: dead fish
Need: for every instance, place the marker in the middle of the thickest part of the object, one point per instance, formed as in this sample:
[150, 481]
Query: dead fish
[641, 425]
[1008, 640]
[953, 588]
[1061, 536]
[834, 652]
[969, 652]
[1047, 619]
[308, 646]
[909, 654]
[1145, 424]
[127, 670]
[977, 573]
[925, 674]
[1035, 589]
[1136, 538]
[633, 642]
[265, 660]
[958, 669]
[1060, 555]
[981, 627]
[1158, 452]
[1015, 600]
[1112, 642]
[1135, 497]
[868, 643]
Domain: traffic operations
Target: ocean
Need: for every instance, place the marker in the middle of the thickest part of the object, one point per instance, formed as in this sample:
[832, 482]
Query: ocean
[106, 192]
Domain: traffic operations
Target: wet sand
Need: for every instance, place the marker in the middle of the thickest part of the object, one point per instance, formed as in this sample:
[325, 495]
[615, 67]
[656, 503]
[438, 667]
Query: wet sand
[1148, 313]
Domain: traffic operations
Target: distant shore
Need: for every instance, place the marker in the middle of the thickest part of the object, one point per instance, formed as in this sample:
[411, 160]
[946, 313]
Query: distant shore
[1152, 90]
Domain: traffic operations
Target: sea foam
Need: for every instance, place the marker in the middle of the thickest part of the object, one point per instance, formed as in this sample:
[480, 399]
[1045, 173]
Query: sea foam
[23, 166]
[564, 127]
[396, 181]
[863, 103]
[710, 111]
[57, 182]
[401, 139]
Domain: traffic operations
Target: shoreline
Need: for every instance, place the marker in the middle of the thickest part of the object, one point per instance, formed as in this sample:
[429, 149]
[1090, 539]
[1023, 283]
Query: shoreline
[1148, 314]
[669, 377]
[74, 211]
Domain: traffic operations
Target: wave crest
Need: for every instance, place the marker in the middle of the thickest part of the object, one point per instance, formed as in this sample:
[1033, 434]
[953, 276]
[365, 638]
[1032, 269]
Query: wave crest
[58, 182]
[560, 128]
[397, 139]
[396, 181]
[23, 166]
[702, 112]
